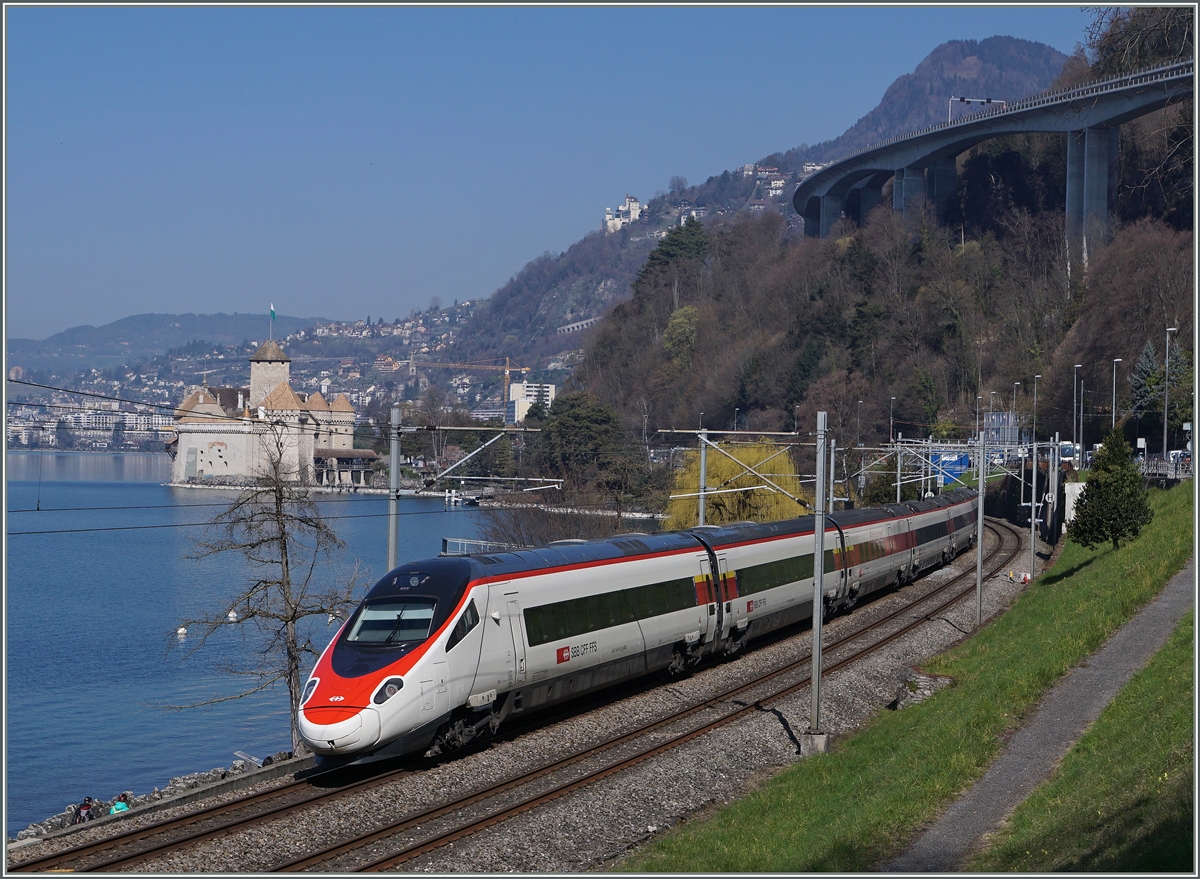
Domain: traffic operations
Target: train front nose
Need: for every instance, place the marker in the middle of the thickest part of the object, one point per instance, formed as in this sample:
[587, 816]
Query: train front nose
[339, 730]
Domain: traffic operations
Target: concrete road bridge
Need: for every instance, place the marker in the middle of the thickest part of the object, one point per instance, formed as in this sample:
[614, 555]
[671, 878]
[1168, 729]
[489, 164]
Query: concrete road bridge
[922, 163]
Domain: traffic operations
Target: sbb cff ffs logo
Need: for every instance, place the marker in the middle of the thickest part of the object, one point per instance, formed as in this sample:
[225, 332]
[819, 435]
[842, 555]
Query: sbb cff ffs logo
[564, 654]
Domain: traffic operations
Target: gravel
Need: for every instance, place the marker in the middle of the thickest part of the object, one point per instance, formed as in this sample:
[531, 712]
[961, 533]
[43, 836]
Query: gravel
[593, 828]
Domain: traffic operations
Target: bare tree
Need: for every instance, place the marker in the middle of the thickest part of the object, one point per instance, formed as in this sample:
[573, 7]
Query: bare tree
[534, 526]
[290, 552]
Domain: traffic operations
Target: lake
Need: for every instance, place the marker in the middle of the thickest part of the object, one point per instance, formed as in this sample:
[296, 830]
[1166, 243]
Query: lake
[97, 580]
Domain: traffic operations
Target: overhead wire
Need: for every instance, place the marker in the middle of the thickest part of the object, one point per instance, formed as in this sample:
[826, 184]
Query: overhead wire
[208, 523]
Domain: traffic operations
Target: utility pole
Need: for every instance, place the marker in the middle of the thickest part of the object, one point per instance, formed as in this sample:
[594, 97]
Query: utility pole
[1166, 393]
[1082, 404]
[1074, 405]
[818, 600]
[703, 471]
[394, 489]
[1033, 515]
[1116, 360]
[832, 471]
[979, 553]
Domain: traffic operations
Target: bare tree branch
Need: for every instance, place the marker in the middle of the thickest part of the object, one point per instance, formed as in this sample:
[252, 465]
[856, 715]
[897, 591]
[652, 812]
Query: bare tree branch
[291, 552]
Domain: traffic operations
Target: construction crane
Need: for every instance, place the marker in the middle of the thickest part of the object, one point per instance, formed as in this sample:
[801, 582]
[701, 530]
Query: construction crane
[507, 368]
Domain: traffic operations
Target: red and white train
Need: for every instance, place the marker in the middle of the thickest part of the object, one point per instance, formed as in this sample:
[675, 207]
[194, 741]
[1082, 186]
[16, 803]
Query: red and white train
[444, 650]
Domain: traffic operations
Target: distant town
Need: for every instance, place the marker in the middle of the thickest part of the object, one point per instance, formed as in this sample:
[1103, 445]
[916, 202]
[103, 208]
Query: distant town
[373, 363]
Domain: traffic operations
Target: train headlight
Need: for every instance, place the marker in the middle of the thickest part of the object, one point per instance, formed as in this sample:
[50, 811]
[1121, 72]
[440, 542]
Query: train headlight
[309, 689]
[389, 689]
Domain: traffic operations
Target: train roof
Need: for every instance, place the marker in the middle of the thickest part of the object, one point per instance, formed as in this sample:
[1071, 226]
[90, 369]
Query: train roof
[565, 553]
[571, 552]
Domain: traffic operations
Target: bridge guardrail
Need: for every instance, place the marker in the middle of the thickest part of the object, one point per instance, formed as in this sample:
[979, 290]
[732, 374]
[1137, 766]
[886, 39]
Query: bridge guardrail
[1138, 77]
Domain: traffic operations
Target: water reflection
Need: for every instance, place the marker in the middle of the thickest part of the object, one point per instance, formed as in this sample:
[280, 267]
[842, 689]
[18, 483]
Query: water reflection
[48, 466]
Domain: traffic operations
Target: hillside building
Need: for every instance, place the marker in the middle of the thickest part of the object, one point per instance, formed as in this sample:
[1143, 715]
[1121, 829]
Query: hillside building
[522, 395]
[226, 436]
[628, 213]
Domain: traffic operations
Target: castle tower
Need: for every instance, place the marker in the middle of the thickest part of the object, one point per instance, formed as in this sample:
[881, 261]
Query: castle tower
[269, 368]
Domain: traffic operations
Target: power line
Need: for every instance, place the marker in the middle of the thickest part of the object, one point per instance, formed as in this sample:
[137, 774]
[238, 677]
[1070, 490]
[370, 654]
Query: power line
[330, 500]
[202, 524]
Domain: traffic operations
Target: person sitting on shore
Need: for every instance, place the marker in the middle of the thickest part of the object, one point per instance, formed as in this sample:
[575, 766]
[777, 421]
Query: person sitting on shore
[83, 812]
[120, 804]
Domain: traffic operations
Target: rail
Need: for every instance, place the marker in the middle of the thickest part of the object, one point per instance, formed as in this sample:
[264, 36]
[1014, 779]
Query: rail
[1159, 469]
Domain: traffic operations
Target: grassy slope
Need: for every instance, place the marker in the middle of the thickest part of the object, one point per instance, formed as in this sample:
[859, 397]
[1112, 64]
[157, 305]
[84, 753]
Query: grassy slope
[1122, 801]
[861, 804]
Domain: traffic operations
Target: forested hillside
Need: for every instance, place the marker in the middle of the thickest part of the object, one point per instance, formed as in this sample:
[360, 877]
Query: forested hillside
[746, 318]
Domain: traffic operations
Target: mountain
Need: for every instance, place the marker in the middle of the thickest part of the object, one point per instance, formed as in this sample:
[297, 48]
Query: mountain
[1001, 68]
[145, 335]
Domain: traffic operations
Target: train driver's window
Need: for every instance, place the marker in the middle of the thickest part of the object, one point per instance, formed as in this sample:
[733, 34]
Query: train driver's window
[466, 623]
[392, 621]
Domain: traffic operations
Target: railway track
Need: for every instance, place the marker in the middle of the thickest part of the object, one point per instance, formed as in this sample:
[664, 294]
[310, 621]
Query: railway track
[483, 817]
[426, 830]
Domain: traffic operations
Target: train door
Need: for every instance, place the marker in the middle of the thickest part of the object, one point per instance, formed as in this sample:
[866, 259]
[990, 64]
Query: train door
[729, 607]
[517, 633]
[497, 654]
[710, 606]
[846, 596]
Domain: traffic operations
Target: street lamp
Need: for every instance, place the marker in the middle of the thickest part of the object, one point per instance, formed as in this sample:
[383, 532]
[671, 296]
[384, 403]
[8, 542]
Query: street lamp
[991, 422]
[1016, 429]
[1166, 389]
[1074, 406]
[858, 432]
[735, 418]
[1116, 360]
[1082, 406]
[890, 407]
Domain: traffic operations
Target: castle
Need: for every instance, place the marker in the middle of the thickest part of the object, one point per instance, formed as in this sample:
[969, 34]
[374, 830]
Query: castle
[227, 436]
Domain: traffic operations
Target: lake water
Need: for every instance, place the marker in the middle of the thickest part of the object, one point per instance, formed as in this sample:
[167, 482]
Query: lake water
[96, 583]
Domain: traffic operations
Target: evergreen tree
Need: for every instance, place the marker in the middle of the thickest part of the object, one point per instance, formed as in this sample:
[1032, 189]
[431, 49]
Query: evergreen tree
[1113, 505]
[580, 439]
[681, 242]
[1146, 381]
[1181, 387]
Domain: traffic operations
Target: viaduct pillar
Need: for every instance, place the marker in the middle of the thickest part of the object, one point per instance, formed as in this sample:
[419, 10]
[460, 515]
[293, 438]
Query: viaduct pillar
[908, 192]
[831, 212]
[941, 180]
[1091, 188]
[870, 197]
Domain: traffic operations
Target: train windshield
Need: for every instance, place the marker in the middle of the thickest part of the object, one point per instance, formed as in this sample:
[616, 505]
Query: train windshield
[386, 621]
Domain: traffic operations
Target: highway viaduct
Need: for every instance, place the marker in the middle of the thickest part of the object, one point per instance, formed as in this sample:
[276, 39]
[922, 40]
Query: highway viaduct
[923, 163]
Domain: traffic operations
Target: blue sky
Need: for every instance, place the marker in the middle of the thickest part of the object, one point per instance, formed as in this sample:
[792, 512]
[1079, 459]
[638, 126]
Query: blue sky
[353, 161]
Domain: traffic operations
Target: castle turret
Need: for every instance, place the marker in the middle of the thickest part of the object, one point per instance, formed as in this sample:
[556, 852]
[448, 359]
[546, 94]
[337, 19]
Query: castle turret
[269, 368]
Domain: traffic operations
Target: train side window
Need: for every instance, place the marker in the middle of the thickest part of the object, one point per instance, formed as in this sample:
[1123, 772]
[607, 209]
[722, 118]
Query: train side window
[466, 623]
